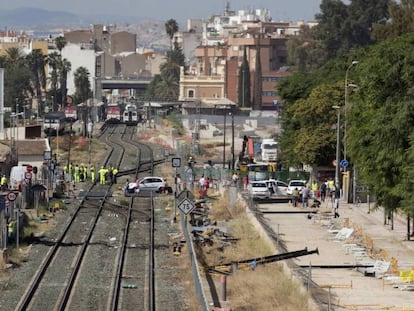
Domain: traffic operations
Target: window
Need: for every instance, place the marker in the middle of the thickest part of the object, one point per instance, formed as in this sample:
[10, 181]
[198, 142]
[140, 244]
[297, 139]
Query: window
[269, 93]
[191, 93]
[271, 79]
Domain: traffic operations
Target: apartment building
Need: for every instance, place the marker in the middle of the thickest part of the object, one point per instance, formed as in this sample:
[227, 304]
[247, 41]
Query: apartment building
[105, 52]
[214, 73]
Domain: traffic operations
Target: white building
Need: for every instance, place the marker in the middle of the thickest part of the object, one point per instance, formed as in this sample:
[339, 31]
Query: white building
[79, 56]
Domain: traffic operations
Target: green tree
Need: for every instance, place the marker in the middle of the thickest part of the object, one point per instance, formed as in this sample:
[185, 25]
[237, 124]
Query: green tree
[309, 135]
[151, 91]
[17, 79]
[406, 186]
[324, 86]
[83, 92]
[401, 21]
[54, 60]
[60, 42]
[64, 67]
[173, 61]
[168, 89]
[36, 62]
[304, 52]
[14, 55]
[244, 82]
[82, 85]
[171, 27]
[363, 15]
[342, 27]
[382, 122]
[166, 85]
[330, 26]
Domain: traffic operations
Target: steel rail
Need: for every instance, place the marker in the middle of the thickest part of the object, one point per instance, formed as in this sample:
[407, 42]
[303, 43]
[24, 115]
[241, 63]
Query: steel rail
[79, 260]
[36, 281]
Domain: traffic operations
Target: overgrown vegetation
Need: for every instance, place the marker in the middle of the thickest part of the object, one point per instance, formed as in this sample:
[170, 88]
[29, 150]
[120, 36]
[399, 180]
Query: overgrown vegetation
[378, 119]
[268, 287]
[175, 122]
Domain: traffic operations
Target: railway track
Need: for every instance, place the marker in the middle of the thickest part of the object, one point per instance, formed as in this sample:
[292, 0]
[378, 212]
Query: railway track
[106, 248]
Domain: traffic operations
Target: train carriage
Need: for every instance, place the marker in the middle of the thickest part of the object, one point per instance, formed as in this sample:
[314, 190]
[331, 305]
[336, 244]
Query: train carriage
[131, 115]
[71, 113]
[113, 114]
[54, 123]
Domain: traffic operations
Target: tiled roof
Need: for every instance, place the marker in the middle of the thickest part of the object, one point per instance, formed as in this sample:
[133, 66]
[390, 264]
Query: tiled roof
[31, 146]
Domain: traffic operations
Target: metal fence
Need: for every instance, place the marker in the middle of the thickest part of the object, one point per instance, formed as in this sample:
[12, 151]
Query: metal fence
[194, 265]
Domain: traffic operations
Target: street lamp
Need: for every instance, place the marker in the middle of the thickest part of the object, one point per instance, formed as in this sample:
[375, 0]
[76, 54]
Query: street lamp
[232, 138]
[224, 139]
[353, 63]
[338, 144]
[90, 129]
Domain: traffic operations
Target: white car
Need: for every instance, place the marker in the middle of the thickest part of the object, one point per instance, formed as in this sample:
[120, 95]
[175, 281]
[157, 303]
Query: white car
[152, 183]
[282, 187]
[259, 190]
[295, 183]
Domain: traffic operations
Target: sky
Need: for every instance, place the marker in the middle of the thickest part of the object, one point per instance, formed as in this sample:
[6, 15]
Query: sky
[180, 10]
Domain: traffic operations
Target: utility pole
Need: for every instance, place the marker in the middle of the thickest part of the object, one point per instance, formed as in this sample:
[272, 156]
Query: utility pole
[232, 139]
[224, 139]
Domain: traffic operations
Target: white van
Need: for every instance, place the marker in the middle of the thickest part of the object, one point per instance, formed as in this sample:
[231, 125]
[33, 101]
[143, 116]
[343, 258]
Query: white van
[269, 150]
[17, 175]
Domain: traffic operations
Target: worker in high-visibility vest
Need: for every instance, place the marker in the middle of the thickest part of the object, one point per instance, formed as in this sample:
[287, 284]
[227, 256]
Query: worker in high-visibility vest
[92, 174]
[114, 173]
[102, 175]
[11, 227]
[76, 175]
[85, 173]
[3, 182]
[315, 189]
[81, 174]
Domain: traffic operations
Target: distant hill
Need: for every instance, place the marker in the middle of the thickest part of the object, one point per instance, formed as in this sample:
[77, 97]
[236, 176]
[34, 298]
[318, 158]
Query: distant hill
[35, 18]
[150, 33]
[40, 19]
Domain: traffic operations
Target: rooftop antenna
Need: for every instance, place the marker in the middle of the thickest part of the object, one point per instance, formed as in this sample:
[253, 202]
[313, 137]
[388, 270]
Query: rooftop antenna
[227, 9]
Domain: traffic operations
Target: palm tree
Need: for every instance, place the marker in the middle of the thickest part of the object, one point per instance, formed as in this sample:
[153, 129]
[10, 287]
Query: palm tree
[170, 73]
[168, 89]
[13, 54]
[83, 86]
[36, 62]
[18, 78]
[63, 69]
[60, 43]
[53, 61]
[171, 27]
[244, 82]
[173, 61]
[83, 92]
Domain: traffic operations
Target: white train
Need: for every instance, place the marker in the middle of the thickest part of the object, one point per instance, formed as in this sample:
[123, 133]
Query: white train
[131, 115]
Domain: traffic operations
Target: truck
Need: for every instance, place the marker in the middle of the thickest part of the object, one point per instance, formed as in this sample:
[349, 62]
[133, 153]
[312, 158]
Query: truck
[268, 149]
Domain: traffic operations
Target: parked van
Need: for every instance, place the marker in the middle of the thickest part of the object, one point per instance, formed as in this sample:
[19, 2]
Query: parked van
[17, 176]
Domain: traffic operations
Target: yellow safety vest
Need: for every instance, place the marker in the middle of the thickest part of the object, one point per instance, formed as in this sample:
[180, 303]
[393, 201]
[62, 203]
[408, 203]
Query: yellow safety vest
[11, 226]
